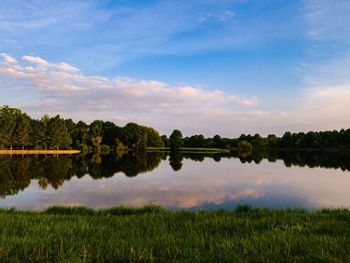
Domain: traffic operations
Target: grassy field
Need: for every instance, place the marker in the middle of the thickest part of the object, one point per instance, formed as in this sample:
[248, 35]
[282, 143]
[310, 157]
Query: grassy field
[151, 234]
[39, 151]
[190, 149]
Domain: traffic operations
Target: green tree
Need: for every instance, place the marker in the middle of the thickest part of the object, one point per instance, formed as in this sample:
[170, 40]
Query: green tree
[244, 148]
[58, 133]
[196, 141]
[108, 133]
[96, 143]
[217, 140]
[96, 129]
[120, 149]
[9, 118]
[44, 135]
[257, 141]
[80, 135]
[153, 138]
[175, 140]
[165, 140]
[272, 140]
[23, 131]
[35, 139]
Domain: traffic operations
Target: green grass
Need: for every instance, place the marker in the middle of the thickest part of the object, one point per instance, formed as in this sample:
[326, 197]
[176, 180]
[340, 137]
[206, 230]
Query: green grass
[189, 149]
[152, 234]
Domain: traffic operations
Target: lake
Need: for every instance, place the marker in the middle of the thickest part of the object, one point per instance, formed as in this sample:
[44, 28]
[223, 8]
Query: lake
[309, 180]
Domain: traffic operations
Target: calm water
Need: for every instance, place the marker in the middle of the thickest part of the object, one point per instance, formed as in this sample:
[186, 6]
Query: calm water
[275, 180]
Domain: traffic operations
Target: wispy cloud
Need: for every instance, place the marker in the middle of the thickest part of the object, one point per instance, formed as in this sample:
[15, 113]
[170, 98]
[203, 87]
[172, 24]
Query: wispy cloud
[126, 30]
[44, 63]
[66, 90]
[323, 108]
[327, 21]
[326, 69]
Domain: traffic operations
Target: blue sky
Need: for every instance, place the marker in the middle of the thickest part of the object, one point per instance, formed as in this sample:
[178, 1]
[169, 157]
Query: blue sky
[211, 67]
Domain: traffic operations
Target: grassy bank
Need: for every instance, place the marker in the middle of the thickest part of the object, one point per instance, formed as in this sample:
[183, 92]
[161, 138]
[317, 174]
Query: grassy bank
[39, 151]
[152, 234]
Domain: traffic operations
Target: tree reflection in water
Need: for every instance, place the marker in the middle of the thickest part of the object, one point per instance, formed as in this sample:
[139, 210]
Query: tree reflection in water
[175, 160]
[16, 172]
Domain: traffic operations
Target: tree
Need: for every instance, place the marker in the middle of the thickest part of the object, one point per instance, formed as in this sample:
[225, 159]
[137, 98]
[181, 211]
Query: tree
[8, 122]
[257, 141]
[96, 129]
[132, 133]
[80, 135]
[196, 141]
[153, 138]
[44, 138]
[108, 133]
[58, 133]
[165, 140]
[120, 149]
[244, 147]
[175, 140]
[96, 143]
[272, 140]
[23, 131]
[217, 140]
[35, 139]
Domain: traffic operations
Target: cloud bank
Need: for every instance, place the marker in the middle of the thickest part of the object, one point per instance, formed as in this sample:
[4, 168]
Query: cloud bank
[64, 89]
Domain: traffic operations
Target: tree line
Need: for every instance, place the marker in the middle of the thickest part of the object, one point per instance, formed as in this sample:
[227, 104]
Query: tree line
[300, 140]
[18, 130]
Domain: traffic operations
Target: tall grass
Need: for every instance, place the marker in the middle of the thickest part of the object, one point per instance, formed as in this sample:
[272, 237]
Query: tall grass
[152, 234]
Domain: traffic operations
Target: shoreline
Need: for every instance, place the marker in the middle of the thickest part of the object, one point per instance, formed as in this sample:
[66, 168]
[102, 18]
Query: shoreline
[155, 208]
[34, 152]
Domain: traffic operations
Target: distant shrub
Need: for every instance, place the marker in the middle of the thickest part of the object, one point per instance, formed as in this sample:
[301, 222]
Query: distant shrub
[122, 211]
[75, 210]
[115, 211]
[243, 208]
[11, 210]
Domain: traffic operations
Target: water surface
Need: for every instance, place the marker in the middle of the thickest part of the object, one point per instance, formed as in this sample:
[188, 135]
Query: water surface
[309, 180]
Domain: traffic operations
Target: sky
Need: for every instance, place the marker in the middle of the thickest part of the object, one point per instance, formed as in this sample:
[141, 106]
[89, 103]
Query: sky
[201, 66]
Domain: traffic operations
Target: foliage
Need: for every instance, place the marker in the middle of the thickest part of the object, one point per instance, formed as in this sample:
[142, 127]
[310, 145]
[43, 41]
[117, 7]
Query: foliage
[18, 130]
[120, 148]
[175, 140]
[244, 147]
[96, 143]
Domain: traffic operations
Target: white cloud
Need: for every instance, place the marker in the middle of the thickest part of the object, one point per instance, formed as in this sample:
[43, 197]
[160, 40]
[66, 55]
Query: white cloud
[247, 102]
[44, 63]
[325, 108]
[193, 110]
[8, 58]
[64, 89]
